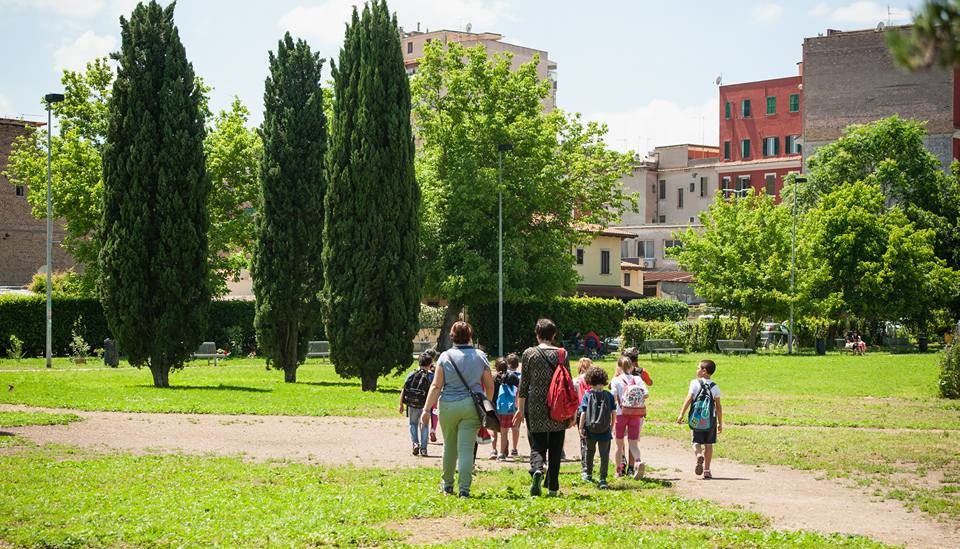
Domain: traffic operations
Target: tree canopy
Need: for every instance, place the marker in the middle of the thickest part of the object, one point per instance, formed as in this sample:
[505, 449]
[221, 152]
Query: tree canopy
[932, 40]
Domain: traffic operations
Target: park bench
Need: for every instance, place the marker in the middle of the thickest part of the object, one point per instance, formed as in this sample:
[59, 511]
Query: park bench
[208, 350]
[841, 345]
[655, 346]
[899, 345]
[733, 346]
[318, 349]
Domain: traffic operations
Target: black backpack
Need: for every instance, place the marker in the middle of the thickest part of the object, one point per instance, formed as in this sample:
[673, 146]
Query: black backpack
[597, 417]
[415, 389]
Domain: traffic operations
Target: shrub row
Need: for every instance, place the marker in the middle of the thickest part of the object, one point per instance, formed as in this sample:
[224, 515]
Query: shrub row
[696, 336]
[655, 308]
[571, 315]
[23, 316]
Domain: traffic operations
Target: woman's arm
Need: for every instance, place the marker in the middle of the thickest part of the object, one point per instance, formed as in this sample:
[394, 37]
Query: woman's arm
[433, 395]
[486, 380]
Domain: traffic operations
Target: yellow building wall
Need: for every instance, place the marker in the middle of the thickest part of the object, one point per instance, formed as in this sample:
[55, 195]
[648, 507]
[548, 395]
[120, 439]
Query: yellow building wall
[590, 270]
[636, 280]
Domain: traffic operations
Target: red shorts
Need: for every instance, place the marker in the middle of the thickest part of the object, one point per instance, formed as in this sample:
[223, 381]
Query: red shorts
[506, 422]
[629, 425]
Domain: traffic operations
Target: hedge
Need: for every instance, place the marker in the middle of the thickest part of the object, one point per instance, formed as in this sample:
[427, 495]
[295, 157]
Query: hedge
[23, 316]
[655, 308]
[697, 336]
[571, 315]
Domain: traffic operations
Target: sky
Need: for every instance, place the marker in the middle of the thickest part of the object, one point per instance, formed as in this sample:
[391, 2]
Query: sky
[645, 68]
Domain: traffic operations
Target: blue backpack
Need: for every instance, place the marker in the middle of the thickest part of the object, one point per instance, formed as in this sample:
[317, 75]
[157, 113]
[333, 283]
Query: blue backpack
[701, 410]
[507, 399]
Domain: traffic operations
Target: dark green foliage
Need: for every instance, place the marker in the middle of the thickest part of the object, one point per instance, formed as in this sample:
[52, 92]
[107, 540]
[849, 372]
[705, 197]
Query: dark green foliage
[932, 39]
[153, 284]
[950, 371]
[571, 315]
[371, 229]
[655, 308]
[697, 336]
[286, 271]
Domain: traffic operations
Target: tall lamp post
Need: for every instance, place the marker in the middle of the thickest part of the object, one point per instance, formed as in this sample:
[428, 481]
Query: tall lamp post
[797, 180]
[50, 99]
[501, 148]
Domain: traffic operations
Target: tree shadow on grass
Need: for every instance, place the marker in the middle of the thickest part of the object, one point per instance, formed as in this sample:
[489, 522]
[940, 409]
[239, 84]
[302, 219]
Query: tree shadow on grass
[354, 384]
[211, 388]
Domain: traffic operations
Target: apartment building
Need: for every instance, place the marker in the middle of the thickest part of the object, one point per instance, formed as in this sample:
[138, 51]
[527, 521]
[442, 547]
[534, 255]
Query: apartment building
[23, 238]
[849, 77]
[413, 43]
[761, 134]
[601, 272]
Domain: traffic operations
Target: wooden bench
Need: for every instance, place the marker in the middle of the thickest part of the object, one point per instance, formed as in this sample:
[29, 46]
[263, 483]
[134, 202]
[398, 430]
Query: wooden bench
[655, 346]
[208, 350]
[841, 345]
[738, 346]
[899, 345]
[316, 349]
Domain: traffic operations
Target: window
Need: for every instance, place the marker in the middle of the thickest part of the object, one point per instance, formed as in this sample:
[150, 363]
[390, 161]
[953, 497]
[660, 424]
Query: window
[679, 199]
[645, 249]
[579, 256]
[745, 148]
[693, 220]
[626, 279]
[409, 47]
[663, 189]
[771, 105]
[792, 144]
[743, 185]
[794, 102]
[771, 146]
[745, 108]
[727, 107]
[770, 182]
[624, 249]
[726, 150]
[725, 186]
[693, 186]
[663, 219]
[703, 187]
[667, 244]
[21, 190]
[604, 262]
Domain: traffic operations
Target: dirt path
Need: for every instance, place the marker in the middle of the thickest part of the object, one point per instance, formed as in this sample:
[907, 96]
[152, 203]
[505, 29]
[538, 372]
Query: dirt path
[794, 500]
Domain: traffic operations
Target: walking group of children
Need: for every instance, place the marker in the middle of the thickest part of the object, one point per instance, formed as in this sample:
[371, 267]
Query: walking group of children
[604, 415]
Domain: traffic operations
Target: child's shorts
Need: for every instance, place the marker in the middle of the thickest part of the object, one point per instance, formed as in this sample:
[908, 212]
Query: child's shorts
[706, 437]
[629, 426]
[506, 422]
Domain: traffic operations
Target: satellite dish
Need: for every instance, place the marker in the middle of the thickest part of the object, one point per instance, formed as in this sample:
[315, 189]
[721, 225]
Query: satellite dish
[718, 80]
[469, 27]
[880, 26]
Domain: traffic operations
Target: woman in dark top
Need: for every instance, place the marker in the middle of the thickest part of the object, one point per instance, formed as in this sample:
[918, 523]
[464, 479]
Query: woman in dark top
[545, 435]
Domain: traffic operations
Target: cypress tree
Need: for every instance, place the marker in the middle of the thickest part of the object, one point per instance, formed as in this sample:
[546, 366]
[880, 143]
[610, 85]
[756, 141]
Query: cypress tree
[371, 228]
[153, 284]
[286, 271]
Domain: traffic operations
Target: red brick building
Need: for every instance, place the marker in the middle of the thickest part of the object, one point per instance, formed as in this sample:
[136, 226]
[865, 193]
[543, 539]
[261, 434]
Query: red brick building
[761, 129]
[22, 238]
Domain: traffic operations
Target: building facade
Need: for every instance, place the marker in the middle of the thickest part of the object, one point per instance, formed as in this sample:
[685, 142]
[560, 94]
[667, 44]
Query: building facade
[23, 238]
[413, 43]
[849, 77]
[600, 270]
[761, 134]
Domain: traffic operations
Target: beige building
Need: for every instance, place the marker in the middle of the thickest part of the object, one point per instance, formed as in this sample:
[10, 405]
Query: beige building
[600, 270]
[413, 43]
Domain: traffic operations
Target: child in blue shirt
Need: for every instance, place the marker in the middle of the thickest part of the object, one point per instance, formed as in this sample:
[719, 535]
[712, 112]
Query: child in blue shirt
[596, 423]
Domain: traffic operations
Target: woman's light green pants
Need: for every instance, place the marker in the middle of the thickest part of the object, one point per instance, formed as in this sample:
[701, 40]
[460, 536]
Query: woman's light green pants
[459, 424]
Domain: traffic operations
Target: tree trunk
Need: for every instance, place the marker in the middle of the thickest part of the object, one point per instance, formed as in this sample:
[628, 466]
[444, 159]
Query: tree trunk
[290, 374]
[161, 374]
[754, 327]
[368, 381]
[288, 358]
[450, 315]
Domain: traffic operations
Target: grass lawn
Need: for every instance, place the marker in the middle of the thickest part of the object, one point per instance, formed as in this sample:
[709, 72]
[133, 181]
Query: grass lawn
[61, 497]
[875, 419]
[19, 419]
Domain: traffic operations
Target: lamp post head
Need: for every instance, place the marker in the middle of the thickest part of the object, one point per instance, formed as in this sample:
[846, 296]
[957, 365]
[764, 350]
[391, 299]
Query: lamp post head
[53, 98]
[504, 147]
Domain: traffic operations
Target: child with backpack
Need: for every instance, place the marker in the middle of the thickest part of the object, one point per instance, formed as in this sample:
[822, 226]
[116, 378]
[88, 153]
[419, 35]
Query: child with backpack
[705, 418]
[414, 397]
[582, 387]
[596, 423]
[630, 393]
[513, 368]
[505, 385]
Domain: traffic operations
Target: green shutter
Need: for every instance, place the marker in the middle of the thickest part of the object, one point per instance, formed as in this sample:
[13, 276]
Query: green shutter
[795, 102]
[746, 108]
[726, 148]
[745, 148]
[772, 105]
[776, 146]
[726, 110]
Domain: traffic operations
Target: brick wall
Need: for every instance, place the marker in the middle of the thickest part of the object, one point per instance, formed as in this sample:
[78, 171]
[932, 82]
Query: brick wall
[22, 238]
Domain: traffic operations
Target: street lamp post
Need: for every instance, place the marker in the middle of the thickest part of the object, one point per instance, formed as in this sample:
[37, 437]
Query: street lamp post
[50, 99]
[793, 258]
[501, 148]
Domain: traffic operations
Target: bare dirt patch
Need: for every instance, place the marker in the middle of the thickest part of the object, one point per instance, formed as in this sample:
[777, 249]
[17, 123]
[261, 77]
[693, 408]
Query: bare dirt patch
[794, 500]
[427, 531]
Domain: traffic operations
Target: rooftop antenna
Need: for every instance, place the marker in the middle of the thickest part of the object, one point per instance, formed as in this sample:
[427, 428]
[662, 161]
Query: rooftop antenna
[719, 79]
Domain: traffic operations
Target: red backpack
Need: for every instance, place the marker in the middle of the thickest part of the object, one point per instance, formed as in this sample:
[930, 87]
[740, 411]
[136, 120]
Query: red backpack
[561, 396]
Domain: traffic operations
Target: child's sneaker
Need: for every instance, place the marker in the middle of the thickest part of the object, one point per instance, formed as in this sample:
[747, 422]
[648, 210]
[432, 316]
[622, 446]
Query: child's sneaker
[423, 452]
[698, 470]
[513, 453]
[707, 475]
[502, 457]
[603, 485]
[638, 470]
[416, 450]
[620, 469]
[433, 436]
[630, 471]
[535, 485]
[494, 455]
[586, 477]
[446, 490]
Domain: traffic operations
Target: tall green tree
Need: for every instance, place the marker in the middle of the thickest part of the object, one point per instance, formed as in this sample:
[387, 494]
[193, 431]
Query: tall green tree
[932, 40]
[153, 258]
[559, 176]
[741, 258]
[371, 228]
[232, 153]
[286, 270]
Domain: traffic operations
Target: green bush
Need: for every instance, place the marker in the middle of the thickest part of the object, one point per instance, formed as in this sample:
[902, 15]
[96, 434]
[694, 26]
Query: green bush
[64, 283]
[634, 332]
[950, 371]
[571, 315]
[655, 308]
[697, 336]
